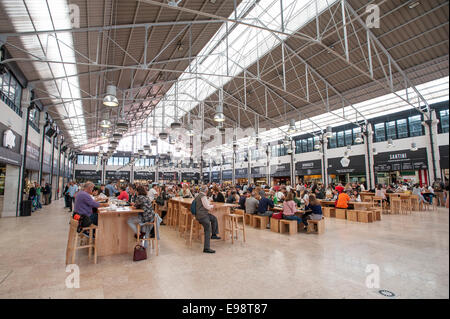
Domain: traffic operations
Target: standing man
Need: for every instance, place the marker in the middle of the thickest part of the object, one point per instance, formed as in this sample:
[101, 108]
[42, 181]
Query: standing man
[208, 221]
[46, 194]
[73, 189]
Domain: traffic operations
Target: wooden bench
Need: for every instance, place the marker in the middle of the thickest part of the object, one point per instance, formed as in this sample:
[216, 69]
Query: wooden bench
[329, 212]
[365, 216]
[248, 219]
[377, 213]
[260, 221]
[275, 225]
[289, 226]
[352, 215]
[341, 213]
[316, 226]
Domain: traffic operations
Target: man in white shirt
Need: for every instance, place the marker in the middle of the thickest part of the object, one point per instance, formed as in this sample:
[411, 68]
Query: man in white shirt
[208, 221]
[152, 194]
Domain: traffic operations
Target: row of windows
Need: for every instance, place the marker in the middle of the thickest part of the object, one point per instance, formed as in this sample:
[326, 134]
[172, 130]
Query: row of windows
[11, 91]
[87, 159]
[402, 128]
[443, 116]
[118, 161]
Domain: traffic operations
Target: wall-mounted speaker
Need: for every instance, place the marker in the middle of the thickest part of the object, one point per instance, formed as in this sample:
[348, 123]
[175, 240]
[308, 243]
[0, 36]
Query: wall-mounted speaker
[50, 131]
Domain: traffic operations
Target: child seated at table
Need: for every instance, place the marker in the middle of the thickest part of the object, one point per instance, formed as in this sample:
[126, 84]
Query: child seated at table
[315, 208]
[290, 208]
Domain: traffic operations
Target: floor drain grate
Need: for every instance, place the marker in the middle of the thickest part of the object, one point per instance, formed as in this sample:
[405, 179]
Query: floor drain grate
[386, 293]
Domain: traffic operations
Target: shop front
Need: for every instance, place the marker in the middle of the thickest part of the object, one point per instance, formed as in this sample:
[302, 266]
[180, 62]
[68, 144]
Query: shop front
[93, 176]
[10, 161]
[404, 166]
[206, 177]
[32, 165]
[259, 175]
[309, 171]
[281, 174]
[144, 177]
[117, 176]
[227, 176]
[215, 176]
[241, 175]
[168, 177]
[190, 177]
[353, 171]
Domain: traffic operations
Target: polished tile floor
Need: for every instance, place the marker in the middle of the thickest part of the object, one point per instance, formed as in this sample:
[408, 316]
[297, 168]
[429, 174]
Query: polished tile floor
[411, 253]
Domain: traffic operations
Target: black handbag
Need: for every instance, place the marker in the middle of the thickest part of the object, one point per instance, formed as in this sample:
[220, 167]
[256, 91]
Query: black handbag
[140, 253]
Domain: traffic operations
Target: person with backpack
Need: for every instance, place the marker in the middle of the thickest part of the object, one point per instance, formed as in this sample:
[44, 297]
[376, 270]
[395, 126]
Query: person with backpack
[200, 208]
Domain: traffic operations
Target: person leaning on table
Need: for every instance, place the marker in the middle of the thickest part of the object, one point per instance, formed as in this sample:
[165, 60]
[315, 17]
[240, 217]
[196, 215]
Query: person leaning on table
[148, 216]
[207, 220]
[84, 203]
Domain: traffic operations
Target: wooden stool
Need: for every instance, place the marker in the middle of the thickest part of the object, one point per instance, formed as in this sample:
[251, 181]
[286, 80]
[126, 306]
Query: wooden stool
[74, 241]
[415, 202]
[329, 212]
[291, 226]
[316, 226]
[232, 226]
[341, 213]
[196, 228]
[238, 211]
[352, 215]
[248, 219]
[153, 241]
[396, 205]
[169, 215]
[260, 221]
[377, 201]
[365, 216]
[275, 225]
[405, 204]
[377, 213]
[184, 222]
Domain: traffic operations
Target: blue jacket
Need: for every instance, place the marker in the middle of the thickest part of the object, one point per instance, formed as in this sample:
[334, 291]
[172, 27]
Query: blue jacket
[315, 209]
[264, 205]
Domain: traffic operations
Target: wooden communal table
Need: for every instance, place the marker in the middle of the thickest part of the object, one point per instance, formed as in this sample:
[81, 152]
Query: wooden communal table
[220, 211]
[114, 235]
[351, 205]
[298, 212]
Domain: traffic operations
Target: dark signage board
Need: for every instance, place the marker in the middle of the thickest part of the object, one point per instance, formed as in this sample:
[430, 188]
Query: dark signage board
[215, 176]
[145, 175]
[190, 176]
[306, 168]
[90, 175]
[357, 165]
[280, 170]
[443, 151]
[259, 172]
[10, 142]
[241, 172]
[168, 176]
[227, 175]
[32, 156]
[117, 175]
[401, 161]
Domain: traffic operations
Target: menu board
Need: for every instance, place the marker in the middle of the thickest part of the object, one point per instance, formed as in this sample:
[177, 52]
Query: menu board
[357, 165]
[32, 156]
[168, 176]
[215, 176]
[145, 175]
[443, 151]
[258, 171]
[308, 168]
[280, 170]
[401, 161]
[118, 175]
[190, 176]
[241, 172]
[227, 175]
[88, 175]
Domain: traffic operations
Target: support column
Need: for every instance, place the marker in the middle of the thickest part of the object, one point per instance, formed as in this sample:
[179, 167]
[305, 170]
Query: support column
[233, 166]
[292, 164]
[52, 166]
[210, 170]
[221, 169]
[249, 167]
[433, 155]
[369, 159]
[268, 165]
[59, 169]
[104, 161]
[325, 177]
[43, 123]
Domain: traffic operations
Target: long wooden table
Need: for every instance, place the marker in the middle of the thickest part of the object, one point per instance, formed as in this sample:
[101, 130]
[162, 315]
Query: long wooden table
[114, 235]
[220, 211]
[352, 204]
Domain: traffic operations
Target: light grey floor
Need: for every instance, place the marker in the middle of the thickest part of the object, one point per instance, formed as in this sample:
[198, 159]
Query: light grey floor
[411, 253]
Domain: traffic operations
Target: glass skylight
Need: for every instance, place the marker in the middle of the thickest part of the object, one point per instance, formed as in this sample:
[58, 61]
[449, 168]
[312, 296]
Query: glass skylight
[47, 47]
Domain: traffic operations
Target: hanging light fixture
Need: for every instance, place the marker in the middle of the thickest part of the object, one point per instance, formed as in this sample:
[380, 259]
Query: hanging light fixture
[359, 138]
[121, 126]
[317, 145]
[374, 151]
[346, 155]
[286, 141]
[329, 132]
[105, 123]
[176, 124]
[117, 136]
[414, 147]
[163, 134]
[219, 116]
[390, 142]
[110, 98]
[292, 128]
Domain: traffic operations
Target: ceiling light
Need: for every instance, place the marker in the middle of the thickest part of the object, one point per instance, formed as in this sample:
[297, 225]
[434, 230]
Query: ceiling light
[154, 142]
[414, 147]
[163, 135]
[291, 128]
[110, 98]
[219, 117]
[414, 4]
[359, 138]
[374, 151]
[175, 125]
[121, 126]
[329, 132]
[105, 123]
[147, 147]
[117, 136]
[390, 142]
[317, 146]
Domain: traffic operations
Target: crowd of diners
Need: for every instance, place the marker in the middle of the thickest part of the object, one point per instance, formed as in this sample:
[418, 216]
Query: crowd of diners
[260, 200]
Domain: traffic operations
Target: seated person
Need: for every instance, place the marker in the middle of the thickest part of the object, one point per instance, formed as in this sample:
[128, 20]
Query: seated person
[342, 201]
[218, 196]
[132, 193]
[355, 196]
[251, 204]
[231, 198]
[290, 208]
[123, 194]
[315, 208]
[264, 206]
[85, 204]
[148, 216]
[242, 200]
